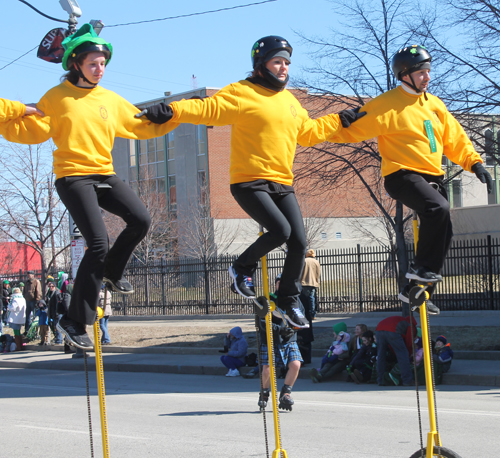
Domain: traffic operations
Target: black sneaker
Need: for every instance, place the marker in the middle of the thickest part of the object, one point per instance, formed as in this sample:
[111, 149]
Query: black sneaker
[75, 332]
[422, 274]
[263, 399]
[243, 284]
[296, 318]
[286, 402]
[120, 286]
[404, 296]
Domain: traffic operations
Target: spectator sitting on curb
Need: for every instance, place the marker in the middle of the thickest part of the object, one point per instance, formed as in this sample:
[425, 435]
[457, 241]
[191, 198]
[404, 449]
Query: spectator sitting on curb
[443, 354]
[237, 350]
[361, 367]
[337, 357]
[7, 343]
[357, 341]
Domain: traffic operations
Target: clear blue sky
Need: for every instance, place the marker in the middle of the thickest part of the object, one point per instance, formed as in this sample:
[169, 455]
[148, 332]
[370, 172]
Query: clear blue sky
[152, 58]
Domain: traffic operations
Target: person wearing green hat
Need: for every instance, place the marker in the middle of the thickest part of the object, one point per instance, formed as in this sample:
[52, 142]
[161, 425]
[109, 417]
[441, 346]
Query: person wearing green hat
[83, 120]
[336, 358]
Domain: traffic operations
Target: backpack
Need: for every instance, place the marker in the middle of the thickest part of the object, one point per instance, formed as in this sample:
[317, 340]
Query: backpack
[251, 360]
[63, 300]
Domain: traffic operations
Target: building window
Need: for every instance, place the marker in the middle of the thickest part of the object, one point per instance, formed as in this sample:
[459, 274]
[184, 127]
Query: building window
[172, 197]
[492, 198]
[457, 193]
[201, 139]
[338, 235]
[489, 147]
[324, 236]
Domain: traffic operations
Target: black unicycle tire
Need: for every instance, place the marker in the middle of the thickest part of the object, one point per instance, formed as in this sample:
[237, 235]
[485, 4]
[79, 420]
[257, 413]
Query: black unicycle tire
[444, 453]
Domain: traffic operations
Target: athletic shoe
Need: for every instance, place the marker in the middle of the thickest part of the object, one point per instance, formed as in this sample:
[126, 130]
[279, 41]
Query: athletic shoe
[404, 296]
[296, 318]
[286, 402]
[233, 373]
[75, 332]
[394, 379]
[315, 375]
[263, 398]
[422, 274]
[243, 284]
[120, 286]
[356, 376]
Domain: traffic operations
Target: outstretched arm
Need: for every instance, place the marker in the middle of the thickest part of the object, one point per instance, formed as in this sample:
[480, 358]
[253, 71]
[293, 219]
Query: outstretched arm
[21, 123]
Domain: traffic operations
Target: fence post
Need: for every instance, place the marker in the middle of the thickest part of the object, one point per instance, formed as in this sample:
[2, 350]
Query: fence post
[163, 299]
[490, 273]
[207, 284]
[360, 282]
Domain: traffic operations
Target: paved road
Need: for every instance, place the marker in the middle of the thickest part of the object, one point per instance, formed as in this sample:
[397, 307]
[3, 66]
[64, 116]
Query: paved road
[183, 416]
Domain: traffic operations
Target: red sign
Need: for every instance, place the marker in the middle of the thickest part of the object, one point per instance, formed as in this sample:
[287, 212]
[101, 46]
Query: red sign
[50, 48]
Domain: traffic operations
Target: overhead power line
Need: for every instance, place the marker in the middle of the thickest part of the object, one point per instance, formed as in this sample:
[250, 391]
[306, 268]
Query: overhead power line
[194, 14]
[15, 60]
[43, 14]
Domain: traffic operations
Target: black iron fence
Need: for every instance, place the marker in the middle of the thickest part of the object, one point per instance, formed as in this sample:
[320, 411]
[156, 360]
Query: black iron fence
[361, 279]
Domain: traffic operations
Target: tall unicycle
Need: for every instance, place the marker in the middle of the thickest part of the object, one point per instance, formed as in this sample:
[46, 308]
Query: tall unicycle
[418, 297]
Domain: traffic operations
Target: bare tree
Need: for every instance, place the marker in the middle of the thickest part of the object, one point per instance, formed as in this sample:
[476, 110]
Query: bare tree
[30, 210]
[157, 244]
[202, 232]
[467, 64]
[356, 60]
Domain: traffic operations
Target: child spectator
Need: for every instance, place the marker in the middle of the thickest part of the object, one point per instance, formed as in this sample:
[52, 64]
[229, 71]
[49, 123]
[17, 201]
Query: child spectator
[357, 341]
[237, 350]
[7, 343]
[337, 356]
[43, 323]
[443, 354]
[361, 368]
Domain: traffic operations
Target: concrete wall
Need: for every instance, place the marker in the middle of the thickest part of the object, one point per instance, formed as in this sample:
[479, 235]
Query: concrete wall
[476, 222]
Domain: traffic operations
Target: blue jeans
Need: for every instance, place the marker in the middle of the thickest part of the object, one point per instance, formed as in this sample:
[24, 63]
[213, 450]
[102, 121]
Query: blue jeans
[309, 292]
[231, 362]
[396, 341]
[103, 323]
[30, 308]
[58, 338]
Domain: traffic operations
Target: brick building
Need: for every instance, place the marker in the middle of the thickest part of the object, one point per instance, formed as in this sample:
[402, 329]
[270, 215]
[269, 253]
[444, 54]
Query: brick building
[190, 168]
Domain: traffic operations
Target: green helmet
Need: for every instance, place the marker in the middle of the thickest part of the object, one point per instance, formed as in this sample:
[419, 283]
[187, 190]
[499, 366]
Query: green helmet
[84, 40]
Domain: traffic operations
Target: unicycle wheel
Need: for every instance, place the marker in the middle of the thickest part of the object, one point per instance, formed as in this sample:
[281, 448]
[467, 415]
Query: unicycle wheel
[444, 453]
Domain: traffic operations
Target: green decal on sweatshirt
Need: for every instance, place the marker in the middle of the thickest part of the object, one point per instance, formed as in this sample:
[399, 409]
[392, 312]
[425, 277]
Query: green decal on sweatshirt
[430, 135]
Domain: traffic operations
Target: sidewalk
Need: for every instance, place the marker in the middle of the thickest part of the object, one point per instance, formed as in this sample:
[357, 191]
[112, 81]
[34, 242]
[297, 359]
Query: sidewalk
[468, 368]
[206, 361]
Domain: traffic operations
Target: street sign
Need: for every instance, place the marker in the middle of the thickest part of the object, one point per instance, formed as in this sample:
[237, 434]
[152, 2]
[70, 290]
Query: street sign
[77, 252]
[73, 229]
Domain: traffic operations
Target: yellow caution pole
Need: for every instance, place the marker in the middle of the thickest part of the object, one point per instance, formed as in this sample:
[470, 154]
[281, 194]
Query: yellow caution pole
[100, 380]
[272, 372]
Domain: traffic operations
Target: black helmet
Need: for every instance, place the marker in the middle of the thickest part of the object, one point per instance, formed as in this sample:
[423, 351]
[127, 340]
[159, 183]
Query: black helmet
[410, 59]
[268, 47]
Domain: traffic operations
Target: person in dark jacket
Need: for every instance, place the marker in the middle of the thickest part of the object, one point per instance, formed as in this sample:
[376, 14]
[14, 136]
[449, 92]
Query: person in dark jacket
[443, 354]
[361, 367]
[237, 346]
[395, 331]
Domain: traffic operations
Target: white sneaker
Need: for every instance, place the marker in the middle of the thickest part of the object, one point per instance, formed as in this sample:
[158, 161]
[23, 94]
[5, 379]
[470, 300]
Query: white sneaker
[233, 373]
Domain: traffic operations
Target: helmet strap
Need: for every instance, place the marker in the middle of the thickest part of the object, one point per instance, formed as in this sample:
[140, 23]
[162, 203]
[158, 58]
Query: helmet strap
[413, 86]
[271, 78]
[82, 76]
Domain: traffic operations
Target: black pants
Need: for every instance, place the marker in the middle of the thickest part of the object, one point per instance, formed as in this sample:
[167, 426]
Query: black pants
[84, 203]
[280, 215]
[413, 190]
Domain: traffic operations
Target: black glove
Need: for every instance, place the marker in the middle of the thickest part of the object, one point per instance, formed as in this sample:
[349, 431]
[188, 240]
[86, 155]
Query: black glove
[286, 332]
[347, 117]
[483, 175]
[159, 114]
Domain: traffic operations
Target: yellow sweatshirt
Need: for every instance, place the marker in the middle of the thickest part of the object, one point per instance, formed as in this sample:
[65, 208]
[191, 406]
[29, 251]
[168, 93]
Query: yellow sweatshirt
[83, 124]
[265, 128]
[413, 133]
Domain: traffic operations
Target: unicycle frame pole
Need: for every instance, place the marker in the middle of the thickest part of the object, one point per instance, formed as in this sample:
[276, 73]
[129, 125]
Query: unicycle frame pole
[433, 435]
[100, 380]
[278, 451]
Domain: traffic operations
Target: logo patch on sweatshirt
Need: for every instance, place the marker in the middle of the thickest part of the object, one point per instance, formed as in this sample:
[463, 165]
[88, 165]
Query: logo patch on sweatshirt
[293, 111]
[103, 112]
